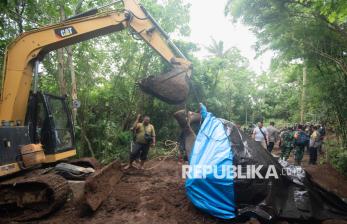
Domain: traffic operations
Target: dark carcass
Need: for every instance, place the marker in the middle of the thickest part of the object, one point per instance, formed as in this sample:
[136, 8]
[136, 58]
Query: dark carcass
[293, 195]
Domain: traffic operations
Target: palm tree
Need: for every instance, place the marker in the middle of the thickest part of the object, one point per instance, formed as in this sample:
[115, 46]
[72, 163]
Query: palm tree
[217, 48]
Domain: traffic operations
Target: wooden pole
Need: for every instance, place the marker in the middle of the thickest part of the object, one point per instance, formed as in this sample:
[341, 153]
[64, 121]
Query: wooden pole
[303, 94]
[60, 55]
[72, 68]
[73, 80]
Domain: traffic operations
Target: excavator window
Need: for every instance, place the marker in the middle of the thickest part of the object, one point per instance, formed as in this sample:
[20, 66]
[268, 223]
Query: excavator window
[41, 116]
[50, 123]
[62, 124]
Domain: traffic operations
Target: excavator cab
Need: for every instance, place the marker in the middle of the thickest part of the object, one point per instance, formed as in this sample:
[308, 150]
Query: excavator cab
[46, 136]
[50, 124]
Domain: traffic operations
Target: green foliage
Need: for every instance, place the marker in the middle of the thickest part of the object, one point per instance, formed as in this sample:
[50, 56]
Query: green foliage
[107, 69]
[338, 158]
[305, 32]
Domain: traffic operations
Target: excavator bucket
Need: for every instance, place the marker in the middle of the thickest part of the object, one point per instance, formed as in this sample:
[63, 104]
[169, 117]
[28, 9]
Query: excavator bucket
[100, 185]
[171, 87]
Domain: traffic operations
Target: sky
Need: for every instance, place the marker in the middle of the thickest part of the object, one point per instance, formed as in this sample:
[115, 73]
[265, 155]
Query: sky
[207, 21]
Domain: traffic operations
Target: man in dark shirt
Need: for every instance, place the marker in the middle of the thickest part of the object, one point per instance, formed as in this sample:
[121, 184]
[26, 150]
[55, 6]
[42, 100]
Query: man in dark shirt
[145, 137]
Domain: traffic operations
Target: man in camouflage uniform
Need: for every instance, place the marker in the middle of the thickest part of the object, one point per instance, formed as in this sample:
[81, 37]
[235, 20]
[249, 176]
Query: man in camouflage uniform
[286, 143]
[300, 141]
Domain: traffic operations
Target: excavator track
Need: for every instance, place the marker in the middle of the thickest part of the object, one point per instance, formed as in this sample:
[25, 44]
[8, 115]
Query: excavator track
[32, 196]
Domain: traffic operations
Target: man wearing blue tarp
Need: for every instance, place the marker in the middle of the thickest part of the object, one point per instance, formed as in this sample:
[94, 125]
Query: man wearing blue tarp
[213, 191]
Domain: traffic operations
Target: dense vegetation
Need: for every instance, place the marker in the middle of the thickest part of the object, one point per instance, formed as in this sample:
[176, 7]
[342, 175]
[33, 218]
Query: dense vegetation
[309, 35]
[305, 34]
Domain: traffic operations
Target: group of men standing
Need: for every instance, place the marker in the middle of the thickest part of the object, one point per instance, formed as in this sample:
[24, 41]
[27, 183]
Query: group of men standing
[301, 137]
[267, 137]
[297, 138]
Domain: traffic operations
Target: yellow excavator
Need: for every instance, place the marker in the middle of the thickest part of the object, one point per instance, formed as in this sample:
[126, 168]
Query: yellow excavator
[36, 128]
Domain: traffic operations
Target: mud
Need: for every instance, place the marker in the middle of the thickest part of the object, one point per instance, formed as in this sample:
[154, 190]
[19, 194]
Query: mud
[101, 184]
[325, 175]
[155, 195]
[151, 196]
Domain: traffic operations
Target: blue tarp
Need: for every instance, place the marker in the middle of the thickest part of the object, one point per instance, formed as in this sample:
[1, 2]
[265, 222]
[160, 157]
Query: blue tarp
[210, 193]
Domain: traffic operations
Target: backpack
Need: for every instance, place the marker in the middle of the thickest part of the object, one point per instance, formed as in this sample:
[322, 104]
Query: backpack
[301, 138]
[287, 139]
[287, 136]
[147, 137]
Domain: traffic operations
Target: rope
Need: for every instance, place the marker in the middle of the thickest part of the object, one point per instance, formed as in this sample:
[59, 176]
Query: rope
[168, 143]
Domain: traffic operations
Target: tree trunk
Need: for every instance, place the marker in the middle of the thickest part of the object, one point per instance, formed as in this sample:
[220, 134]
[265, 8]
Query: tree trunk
[60, 55]
[20, 7]
[89, 145]
[73, 80]
[303, 94]
[72, 68]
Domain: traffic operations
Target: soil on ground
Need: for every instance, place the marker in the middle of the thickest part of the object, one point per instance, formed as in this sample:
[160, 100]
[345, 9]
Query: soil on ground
[154, 195]
[157, 195]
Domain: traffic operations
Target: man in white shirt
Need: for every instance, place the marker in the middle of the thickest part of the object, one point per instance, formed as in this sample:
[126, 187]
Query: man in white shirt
[260, 135]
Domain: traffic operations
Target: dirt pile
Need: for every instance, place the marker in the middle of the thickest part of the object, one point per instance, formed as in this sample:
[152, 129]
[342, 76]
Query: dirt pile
[325, 175]
[155, 195]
